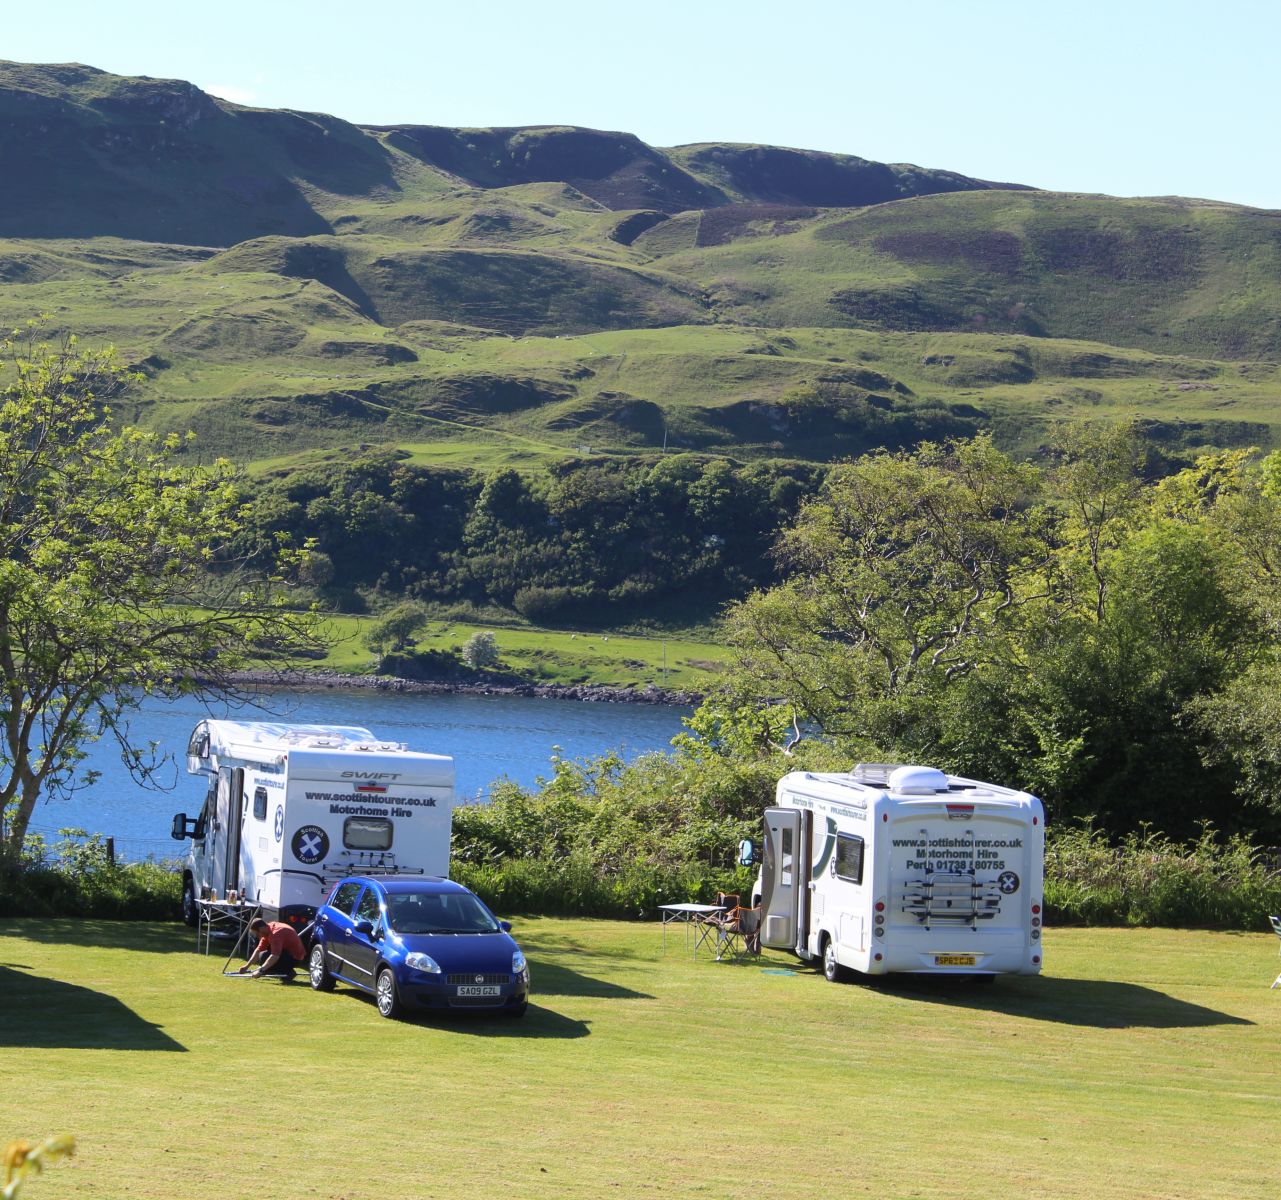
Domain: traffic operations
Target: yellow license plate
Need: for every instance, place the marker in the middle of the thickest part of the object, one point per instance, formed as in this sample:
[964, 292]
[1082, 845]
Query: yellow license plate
[955, 960]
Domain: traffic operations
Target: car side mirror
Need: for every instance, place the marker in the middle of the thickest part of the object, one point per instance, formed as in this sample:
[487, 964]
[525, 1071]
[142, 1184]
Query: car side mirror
[505, 926]
[746, 853]
[365, 928]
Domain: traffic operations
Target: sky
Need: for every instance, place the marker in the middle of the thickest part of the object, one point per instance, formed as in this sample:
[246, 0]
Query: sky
[1127, 98]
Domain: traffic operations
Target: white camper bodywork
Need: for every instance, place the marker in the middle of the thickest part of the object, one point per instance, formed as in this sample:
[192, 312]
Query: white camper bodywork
[290, 809]
[903, 869]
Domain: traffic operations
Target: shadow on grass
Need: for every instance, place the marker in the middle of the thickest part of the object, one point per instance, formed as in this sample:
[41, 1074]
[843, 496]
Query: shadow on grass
[49, 1014]
[551, 980]
[150, 937]
[1093, 1003]
[538, 1022]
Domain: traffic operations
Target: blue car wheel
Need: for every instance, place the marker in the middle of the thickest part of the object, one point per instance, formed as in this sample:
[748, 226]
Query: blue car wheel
[386, 995]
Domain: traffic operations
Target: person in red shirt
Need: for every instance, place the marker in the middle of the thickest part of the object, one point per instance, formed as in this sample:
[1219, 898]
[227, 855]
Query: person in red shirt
[278, 945]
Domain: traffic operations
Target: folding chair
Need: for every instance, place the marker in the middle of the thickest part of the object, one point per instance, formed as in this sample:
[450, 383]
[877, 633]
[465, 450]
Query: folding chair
[715, 924]
[1276, 928]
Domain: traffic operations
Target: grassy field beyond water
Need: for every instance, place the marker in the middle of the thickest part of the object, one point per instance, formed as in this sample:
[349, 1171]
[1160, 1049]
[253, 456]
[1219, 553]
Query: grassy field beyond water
[1143, 1064]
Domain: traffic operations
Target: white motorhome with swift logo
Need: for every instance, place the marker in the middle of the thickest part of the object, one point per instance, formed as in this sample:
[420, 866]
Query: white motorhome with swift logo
[291, 809]
[903, 869]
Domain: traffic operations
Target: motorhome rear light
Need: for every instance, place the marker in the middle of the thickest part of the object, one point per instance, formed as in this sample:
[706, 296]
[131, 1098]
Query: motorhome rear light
[1036, 908]
[1036, 958]
[960, 812]
[885, 816]
[1036, 820]
[1036, 921]
[1036, 933]
[880, 906]
[878, 956]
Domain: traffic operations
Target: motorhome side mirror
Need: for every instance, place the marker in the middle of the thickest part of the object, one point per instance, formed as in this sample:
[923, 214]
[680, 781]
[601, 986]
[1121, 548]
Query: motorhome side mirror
[746, 853]
[505, 926]
[365, 928]
[179, 831]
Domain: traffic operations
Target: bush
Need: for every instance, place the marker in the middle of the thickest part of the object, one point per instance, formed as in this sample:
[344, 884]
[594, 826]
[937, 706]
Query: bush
[78, 879]
[481, 651]
[1147, 879]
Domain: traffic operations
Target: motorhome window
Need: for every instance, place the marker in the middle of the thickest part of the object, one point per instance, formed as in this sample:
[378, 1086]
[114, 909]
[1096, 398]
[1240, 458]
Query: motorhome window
[198, 747]
[785, 871]
[345, 898]
[369, 908]
[849, 858]
[367, 833]
[260, 804]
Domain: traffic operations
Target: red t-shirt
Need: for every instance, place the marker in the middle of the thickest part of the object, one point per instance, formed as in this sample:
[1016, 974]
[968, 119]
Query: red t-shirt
[281, 939]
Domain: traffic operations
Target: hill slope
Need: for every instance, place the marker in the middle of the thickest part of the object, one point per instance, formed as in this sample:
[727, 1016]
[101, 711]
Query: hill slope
[293, 285]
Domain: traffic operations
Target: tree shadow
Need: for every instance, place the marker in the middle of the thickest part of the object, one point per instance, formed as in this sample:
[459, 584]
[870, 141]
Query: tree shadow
[1093, 1003]
[146, 936]
[40, 1013]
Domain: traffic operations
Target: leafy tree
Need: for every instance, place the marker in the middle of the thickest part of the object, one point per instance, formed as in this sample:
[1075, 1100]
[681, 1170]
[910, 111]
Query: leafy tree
[396, 626]
[115, 577]
[906, 572]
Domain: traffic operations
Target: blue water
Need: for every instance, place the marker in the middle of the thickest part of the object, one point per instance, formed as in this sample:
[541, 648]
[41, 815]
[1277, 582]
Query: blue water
[489, 738]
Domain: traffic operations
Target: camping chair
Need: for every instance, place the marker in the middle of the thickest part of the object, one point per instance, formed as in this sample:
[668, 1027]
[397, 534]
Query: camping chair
[713, 924]
[737, 932]
[1276, 928]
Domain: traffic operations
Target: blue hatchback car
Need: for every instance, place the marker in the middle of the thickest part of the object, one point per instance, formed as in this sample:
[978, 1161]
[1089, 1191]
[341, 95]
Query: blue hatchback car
[417, 943]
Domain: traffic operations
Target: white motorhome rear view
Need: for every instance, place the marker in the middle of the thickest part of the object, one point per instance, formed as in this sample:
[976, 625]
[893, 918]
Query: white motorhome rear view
[903, 869]
[290, 809]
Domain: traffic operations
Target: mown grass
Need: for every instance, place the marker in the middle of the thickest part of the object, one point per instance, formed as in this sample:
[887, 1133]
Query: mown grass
[1141, 1064]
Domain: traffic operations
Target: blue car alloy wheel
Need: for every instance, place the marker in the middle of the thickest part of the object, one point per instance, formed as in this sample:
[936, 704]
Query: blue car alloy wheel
[417, 945]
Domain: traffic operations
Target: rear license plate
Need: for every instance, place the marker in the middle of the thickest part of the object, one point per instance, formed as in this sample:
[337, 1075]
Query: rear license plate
[955, 960]
[479, 991]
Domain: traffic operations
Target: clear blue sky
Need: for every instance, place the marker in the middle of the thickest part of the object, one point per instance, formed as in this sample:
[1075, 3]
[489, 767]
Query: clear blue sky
[1128, 97]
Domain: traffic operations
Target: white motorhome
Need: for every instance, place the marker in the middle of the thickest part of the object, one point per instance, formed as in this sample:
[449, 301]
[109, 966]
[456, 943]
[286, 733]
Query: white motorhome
[290, 809]
[903, 869]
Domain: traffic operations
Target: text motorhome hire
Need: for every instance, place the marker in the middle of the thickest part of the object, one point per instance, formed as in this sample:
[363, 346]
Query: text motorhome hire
[903, 869]
[290, 809]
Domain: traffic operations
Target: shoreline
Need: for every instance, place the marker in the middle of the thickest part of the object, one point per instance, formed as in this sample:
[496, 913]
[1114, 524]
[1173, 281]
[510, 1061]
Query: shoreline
[593, 693]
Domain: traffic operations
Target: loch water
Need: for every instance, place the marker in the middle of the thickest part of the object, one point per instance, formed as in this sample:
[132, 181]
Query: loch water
[489, 738]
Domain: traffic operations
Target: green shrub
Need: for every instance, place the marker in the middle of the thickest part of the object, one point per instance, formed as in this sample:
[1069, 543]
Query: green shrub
[77, 878]
[1147, 879]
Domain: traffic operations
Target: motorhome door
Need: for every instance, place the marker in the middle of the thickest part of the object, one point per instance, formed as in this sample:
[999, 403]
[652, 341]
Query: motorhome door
[782, 880]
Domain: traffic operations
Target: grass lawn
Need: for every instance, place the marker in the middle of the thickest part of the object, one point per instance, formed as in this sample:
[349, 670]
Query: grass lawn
[1143, 1064]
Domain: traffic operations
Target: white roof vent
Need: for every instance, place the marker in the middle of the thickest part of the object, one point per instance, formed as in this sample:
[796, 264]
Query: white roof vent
[918, 781]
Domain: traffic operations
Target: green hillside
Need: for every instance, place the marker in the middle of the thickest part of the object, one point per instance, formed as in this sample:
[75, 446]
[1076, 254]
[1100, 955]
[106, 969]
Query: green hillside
[301, 290]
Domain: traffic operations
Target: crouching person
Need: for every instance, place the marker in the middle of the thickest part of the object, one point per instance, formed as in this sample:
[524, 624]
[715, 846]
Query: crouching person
[279, 949]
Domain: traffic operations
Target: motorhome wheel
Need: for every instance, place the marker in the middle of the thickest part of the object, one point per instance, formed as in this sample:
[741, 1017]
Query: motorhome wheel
[190, 911]
[831, 968]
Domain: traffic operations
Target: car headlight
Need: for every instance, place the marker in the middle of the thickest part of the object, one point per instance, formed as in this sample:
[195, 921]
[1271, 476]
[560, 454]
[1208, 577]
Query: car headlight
[422, 962]
[518, 962]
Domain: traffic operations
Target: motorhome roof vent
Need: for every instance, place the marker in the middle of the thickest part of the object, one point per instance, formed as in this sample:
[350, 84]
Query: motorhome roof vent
[918, 781]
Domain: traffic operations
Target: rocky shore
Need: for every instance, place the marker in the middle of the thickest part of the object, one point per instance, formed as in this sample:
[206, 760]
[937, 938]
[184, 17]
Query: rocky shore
[597, 693]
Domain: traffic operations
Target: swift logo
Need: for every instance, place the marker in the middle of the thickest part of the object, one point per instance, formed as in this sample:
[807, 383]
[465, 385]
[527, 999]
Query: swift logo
[371, 775]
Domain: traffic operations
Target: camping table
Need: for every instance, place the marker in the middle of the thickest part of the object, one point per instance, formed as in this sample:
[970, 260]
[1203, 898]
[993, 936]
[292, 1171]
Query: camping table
[225, 917]
[686, 914]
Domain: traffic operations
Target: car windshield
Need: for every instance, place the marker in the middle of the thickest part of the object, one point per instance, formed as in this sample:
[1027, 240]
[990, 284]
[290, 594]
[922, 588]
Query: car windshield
[435, 912]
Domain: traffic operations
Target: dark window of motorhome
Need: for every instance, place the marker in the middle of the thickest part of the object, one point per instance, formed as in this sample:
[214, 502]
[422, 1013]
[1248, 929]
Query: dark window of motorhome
[260, 804]
[345, 897]
[785, 872]
[366, 833]
[198, 747]
[849, 858]
[369, 909]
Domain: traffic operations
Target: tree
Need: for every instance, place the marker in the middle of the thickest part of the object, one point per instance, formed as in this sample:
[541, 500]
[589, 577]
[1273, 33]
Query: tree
[907, 572]
[481, 651]
[396, 626]
[116, 578]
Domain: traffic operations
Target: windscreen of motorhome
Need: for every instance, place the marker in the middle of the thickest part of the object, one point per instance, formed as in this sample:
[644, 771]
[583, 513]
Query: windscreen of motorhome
[367, 833]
